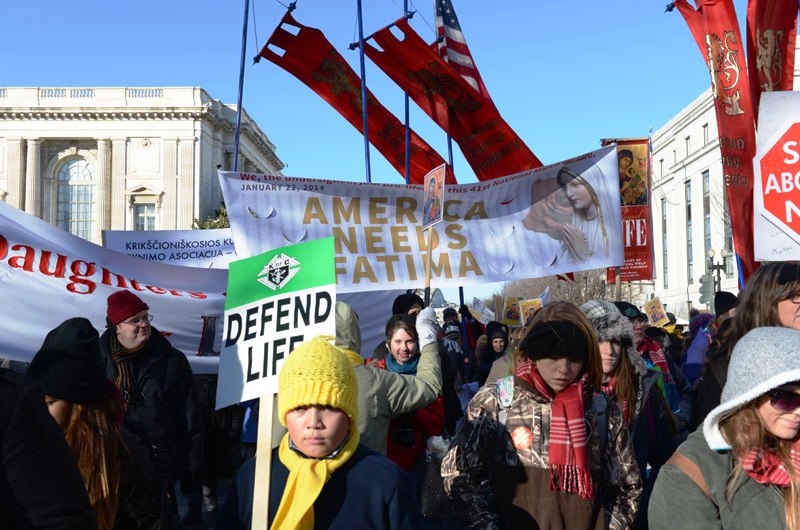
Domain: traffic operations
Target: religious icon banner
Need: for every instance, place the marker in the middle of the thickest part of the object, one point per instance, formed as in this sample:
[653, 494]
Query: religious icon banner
[556, 219]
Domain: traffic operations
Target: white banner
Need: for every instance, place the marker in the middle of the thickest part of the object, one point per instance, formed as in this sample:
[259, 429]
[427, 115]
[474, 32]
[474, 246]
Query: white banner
[191, 248]
[556, 219]
[48, 276]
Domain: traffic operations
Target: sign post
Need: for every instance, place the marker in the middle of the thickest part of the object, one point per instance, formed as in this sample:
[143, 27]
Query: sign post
[275, 302]
[433, 205]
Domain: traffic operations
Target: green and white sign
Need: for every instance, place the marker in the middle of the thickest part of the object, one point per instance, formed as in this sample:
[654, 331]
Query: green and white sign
[275, 301]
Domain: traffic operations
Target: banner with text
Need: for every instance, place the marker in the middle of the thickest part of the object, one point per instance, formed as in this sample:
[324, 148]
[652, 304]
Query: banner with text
[637, 225]
[48, 276]
[189, 248]
[560, 218]
[276, 301]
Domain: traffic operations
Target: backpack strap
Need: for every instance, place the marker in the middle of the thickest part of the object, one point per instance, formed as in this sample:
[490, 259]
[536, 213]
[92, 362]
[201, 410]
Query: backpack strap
[601, 410]
[691, 470]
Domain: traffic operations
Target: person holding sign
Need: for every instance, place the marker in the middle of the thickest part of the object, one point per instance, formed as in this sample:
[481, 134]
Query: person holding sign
[321, 476]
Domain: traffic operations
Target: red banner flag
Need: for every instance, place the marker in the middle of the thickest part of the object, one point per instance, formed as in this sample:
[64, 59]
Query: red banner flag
[771, 34]
[313, 60]
[716, 31]
[490, 146]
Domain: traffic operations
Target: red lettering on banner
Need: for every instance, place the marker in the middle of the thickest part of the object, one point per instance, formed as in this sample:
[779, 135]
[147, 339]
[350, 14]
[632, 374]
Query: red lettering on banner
[61, 264]
[79, 277]
[3, 247]
[27, 260]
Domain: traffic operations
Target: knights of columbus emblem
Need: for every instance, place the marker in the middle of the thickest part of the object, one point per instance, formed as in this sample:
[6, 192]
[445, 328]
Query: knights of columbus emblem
[277, 273]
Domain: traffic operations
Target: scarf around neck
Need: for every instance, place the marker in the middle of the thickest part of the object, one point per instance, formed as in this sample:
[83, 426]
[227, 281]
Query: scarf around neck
[764, 466]
[409, 368]
[307, 477]
[126, 376]
[568, 458]
[656, 353]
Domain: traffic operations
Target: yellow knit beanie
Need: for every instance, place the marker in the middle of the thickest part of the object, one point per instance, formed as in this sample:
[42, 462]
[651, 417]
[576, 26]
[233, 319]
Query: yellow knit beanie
[318, 373]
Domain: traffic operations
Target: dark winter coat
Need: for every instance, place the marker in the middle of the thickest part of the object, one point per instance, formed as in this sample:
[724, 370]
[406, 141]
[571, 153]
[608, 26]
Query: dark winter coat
[168, 418]
[142, 505]
[368, 491]
[40, 485]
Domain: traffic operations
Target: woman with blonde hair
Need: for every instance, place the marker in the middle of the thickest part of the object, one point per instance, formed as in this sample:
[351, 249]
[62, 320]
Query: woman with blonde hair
[119, 477]
[742, 469]
[540, 449]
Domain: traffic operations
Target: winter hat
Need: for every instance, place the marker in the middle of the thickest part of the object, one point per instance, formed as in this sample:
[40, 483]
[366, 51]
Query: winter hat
[765, 358]
[698, 322]
[124, 304]
[611, 325]
[555, 339]
[724, 302]
[452, 331]
[495, 329]
[68, 364]
[449, 312]
[630, 310]
[318, 373]
[404, 302]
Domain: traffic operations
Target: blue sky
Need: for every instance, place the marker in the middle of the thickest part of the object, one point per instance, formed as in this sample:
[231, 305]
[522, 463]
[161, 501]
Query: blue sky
[563, 75]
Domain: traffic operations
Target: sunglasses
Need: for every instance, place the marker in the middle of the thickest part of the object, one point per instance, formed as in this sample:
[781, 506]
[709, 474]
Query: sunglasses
[784, 400]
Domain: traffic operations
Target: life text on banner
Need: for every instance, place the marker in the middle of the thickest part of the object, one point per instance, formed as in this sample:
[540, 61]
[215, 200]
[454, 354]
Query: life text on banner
[556, 219]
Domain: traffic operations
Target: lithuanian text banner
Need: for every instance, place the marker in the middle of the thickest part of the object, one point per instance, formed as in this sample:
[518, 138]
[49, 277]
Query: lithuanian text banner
[560, 218]
[48, 276]
[188, 248]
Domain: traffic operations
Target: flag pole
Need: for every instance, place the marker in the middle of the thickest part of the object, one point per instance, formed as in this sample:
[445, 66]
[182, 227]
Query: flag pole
[363, 88]
[408, 120]
[241, 88]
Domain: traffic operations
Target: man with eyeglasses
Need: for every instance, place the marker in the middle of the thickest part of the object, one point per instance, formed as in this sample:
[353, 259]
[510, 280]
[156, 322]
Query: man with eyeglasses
[677, 389]
[156, 382]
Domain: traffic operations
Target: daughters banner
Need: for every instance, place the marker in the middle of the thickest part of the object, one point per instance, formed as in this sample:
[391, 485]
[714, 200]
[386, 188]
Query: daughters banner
[551, 220]
[48, 276]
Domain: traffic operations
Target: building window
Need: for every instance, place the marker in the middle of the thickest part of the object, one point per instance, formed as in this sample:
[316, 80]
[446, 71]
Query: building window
[661, 168]
[731, 261]
[689, 258]
[705, 133]
[75, 198]
[706, 211]
[665, 261]
[144, 216]
[688, 146]
[674, 156]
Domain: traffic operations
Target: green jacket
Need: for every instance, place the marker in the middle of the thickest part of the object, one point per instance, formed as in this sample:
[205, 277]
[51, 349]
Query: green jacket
[384, 395]
[678, 502]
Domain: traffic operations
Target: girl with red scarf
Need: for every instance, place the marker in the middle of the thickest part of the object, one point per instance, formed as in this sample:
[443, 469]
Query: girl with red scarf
[539, 449]
[742, 468]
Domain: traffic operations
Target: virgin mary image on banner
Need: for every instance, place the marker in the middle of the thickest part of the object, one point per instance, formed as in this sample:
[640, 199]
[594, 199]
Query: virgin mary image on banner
[574, 215]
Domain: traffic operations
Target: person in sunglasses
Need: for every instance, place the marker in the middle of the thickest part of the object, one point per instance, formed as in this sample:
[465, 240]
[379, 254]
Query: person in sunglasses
[742, 469]
[156, 382]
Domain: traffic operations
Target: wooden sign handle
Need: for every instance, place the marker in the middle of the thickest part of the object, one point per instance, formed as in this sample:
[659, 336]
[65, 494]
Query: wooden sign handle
[260, 519]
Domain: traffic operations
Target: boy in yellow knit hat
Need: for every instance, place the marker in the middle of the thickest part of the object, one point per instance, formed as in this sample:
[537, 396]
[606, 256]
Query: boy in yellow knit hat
[321, 477]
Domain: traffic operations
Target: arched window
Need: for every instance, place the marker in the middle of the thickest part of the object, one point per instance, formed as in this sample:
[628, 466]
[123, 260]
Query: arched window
[75, 192]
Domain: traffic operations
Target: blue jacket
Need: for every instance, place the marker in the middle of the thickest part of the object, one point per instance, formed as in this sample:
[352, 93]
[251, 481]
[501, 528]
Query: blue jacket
[368, 492]
[696, 356]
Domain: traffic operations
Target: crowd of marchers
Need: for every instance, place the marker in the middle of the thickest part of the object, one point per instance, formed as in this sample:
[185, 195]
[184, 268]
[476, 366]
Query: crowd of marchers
[584, 418]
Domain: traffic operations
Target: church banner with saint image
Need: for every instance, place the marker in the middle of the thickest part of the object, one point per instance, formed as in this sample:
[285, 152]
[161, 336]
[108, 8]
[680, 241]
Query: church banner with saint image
[555, 219]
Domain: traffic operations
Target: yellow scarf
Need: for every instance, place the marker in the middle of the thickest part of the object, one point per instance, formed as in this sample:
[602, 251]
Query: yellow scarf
[307, 476]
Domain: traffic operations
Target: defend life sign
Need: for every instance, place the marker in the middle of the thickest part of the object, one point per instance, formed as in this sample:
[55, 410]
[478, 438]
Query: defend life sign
[275, 301]
[776, 194]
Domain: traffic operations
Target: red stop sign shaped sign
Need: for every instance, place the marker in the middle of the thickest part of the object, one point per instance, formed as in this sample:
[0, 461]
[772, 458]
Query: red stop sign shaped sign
[780, 178]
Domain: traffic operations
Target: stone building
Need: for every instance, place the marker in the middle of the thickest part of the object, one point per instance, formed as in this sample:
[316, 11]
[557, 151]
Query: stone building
[90, 159]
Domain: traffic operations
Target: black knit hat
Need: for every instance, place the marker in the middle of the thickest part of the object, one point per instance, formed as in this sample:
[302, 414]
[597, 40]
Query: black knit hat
[404, 302]
[495, 329]
[452, 330]
[555, 339]
[68, 364]
[724, 302]
[630, 310]
[449, 312]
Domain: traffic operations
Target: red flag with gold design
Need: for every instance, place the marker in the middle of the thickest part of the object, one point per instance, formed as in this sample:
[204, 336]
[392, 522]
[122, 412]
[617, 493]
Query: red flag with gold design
[715, 29]
[313, 60]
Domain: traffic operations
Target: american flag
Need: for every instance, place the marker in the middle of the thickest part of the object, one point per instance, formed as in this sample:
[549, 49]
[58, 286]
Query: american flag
[453, 47]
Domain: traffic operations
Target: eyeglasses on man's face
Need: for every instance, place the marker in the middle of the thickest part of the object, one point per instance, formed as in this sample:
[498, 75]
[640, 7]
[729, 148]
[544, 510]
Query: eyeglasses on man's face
[138, 321]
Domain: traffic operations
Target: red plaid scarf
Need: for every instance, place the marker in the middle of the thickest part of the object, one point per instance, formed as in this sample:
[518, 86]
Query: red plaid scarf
[765, 467]
[654, 350]
[610, 389]
[568, 460]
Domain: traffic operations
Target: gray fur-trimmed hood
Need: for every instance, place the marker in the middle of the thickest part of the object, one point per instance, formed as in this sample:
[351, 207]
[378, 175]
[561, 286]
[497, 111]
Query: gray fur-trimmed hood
[612, 326]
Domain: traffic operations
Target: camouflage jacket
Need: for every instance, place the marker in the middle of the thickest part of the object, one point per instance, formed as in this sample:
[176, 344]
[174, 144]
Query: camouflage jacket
[468, 465]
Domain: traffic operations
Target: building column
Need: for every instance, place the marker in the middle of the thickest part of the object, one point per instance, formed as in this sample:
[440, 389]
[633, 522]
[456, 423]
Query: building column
[33, 178]
[169, 203]
[186, 184]
[16, 172]
[119, 206]
[103, 187]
